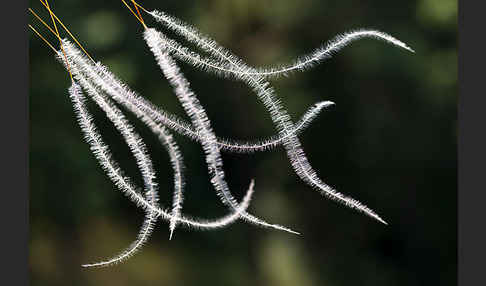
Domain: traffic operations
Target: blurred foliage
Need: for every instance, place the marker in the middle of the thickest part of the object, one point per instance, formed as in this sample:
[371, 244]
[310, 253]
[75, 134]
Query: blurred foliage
[390, 142]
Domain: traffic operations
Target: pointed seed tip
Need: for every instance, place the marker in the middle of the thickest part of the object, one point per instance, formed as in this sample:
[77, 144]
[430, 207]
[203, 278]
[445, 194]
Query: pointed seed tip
[325, 104]
[382, 221]
[409, 49]
[293, 232]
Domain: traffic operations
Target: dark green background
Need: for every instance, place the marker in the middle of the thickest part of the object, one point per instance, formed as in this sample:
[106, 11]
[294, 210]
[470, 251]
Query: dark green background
[390, 142]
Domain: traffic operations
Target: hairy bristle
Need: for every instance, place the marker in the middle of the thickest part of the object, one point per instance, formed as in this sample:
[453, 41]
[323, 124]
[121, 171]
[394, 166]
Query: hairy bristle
[106, 90]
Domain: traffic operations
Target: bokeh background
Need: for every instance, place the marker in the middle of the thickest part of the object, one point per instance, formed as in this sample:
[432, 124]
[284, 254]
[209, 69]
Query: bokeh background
[390, 142]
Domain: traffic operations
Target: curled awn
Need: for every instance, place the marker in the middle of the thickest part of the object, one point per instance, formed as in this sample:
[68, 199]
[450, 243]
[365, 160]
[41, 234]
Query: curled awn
[108, 91]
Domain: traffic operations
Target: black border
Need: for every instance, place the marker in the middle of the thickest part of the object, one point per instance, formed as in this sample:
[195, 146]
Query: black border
[471, 145]
[15, 140]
